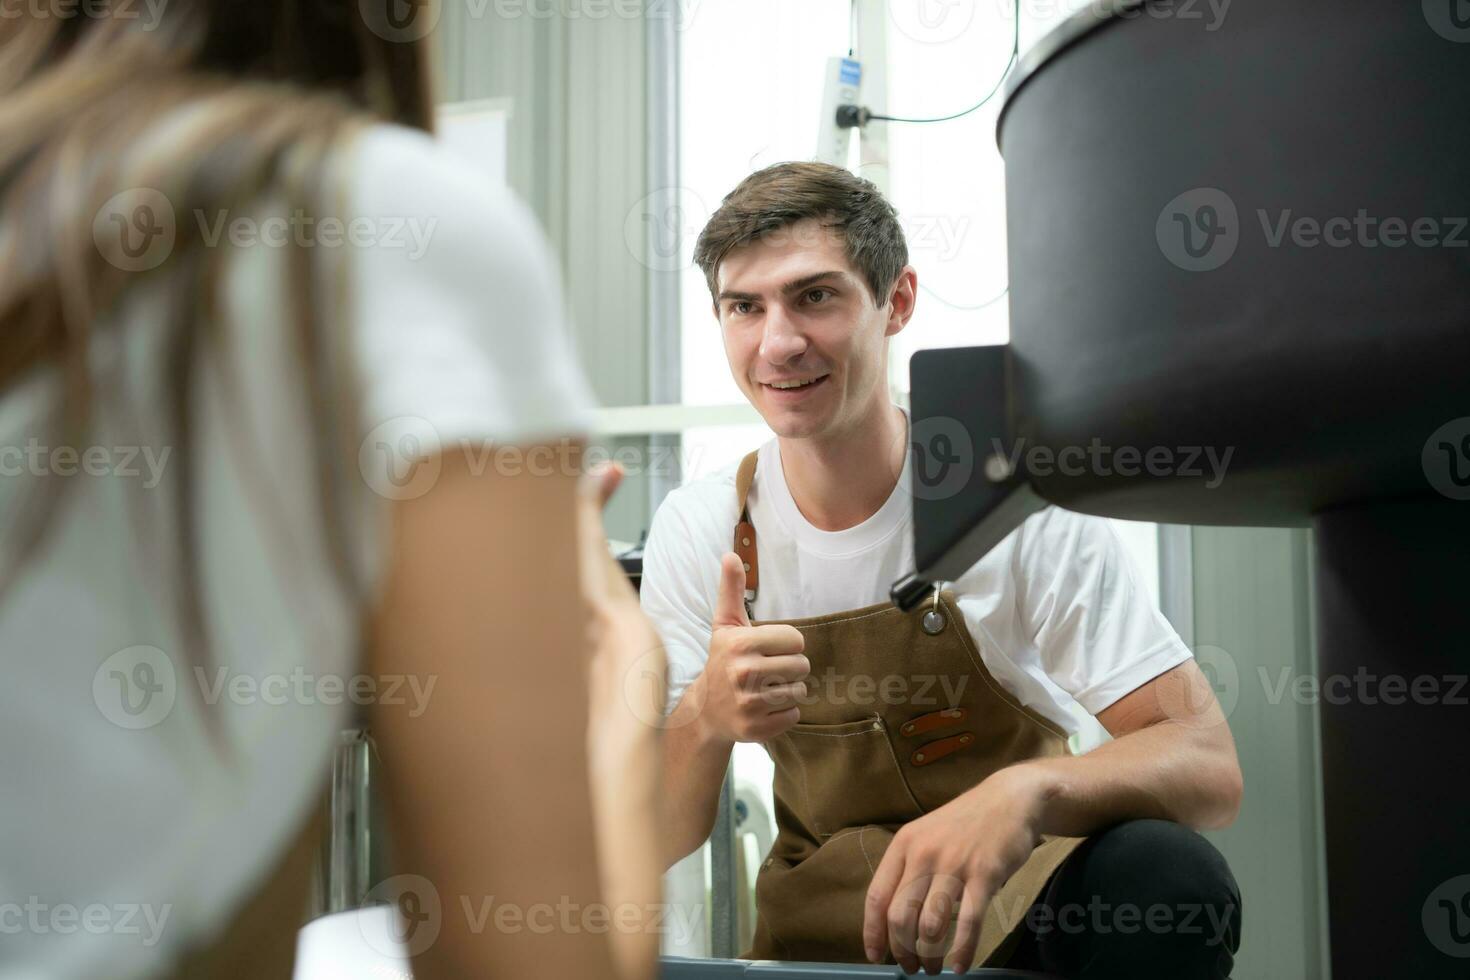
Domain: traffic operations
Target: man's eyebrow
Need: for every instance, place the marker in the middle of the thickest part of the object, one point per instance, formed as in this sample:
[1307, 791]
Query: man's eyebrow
[795, 286]
[805, 282]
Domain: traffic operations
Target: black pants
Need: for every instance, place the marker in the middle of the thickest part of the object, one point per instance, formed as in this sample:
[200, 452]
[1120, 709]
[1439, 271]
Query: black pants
[1143, 899]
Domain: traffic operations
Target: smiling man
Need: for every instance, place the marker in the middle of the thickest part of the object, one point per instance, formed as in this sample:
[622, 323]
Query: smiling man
[929, 809]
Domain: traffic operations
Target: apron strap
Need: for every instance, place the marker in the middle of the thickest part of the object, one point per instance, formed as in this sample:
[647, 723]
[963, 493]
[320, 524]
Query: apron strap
[744, 477]
[745, 530]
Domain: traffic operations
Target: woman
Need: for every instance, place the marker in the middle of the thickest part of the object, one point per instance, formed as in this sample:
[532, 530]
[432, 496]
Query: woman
[246, 411]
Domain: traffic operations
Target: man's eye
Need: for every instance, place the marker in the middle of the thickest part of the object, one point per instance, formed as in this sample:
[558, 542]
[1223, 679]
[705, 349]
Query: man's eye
[740, 308]
[817, 295]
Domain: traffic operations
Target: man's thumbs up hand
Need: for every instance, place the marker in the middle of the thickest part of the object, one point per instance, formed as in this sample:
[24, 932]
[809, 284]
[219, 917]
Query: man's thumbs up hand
[730, 602]
[755, 678]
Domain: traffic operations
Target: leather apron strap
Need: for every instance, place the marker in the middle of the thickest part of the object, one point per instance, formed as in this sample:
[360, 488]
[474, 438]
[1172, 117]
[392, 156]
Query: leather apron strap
[745, 531]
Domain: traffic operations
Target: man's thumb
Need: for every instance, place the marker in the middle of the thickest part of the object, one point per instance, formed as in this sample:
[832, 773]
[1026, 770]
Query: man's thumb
[730, 603]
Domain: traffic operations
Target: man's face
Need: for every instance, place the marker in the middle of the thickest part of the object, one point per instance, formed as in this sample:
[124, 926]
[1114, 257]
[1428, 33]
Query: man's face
[806, 341]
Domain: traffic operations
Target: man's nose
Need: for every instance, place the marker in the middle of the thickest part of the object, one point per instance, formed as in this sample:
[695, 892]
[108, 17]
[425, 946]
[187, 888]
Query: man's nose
[782, 340]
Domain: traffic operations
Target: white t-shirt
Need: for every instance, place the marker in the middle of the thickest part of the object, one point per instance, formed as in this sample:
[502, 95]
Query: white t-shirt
[1056, 610]
[124, 837]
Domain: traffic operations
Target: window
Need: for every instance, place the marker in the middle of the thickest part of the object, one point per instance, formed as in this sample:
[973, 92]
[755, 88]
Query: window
[751, 93]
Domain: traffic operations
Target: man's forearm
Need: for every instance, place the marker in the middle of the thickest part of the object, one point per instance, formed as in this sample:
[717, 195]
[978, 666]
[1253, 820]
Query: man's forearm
[1167, 771]
[694, 770]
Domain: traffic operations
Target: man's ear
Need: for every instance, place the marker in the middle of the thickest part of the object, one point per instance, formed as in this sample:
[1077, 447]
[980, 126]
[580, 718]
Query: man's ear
[901, 300]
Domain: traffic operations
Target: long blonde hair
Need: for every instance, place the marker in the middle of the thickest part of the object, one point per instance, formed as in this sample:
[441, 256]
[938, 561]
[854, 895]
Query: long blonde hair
[256, 97]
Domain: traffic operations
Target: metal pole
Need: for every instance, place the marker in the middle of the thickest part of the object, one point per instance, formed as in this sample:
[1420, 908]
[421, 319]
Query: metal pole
[349, 860]
[1176, 578]
[723, 924]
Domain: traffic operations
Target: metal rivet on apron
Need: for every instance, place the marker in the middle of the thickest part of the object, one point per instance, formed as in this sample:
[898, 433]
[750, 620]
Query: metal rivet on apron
[745, 541]
[933, 621]
[877, 726]
[908, 729]
[918, 757]
[747, 566]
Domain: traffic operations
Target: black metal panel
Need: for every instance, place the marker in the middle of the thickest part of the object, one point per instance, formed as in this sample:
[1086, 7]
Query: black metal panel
[1393, 599]
[963, 507]
[1166, 297]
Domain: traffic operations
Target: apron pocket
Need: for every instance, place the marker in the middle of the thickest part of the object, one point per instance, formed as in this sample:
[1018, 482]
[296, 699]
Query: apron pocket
[813, 909]
[833, 777]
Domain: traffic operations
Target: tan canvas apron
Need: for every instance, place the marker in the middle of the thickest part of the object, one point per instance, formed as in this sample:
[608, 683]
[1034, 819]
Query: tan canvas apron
[901, 718]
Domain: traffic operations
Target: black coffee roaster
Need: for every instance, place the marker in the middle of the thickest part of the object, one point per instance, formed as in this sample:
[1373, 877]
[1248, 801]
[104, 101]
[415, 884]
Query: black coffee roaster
[1202, 257]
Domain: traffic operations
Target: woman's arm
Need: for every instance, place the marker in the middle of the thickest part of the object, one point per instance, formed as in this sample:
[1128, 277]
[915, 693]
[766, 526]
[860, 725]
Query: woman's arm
[489, 787]
[629, 685]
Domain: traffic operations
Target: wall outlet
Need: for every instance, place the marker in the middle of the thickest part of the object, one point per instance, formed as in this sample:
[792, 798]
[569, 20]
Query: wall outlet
[844, 82]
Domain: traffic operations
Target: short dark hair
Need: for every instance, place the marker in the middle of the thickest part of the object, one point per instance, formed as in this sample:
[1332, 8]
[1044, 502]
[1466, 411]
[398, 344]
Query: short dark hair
[786, 193]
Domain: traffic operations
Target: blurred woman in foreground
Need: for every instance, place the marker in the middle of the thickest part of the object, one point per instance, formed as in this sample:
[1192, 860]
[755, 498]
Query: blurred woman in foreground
[247, 408]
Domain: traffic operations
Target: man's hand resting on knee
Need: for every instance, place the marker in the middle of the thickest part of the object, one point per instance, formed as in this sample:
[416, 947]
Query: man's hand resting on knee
[956, 857]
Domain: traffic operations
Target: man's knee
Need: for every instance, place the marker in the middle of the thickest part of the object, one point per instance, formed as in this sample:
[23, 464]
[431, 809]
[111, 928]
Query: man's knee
[1159, 859]
[1154, 888]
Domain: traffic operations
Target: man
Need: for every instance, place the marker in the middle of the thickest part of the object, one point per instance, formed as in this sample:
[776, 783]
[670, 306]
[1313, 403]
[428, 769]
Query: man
[929, 810]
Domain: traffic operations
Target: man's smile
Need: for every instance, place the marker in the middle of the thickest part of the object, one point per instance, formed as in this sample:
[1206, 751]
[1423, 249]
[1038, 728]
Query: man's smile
[793, 386]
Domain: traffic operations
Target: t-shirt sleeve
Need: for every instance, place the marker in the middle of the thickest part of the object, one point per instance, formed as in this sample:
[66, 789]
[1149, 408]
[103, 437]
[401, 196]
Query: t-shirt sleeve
[457, 305]
[675, 595]
[1098, 631]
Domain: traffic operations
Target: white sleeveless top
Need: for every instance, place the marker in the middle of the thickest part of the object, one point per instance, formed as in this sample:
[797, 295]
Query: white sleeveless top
[122, 837]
